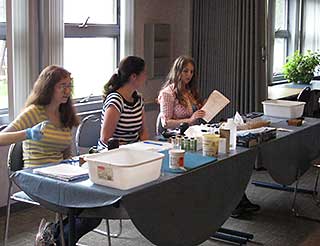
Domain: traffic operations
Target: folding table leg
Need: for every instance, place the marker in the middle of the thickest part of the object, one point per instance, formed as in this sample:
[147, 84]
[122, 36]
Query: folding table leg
[72, 224]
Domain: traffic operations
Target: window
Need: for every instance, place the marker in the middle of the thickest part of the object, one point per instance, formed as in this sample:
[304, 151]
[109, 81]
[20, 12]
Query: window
[91, 44]
[3, 59]
[295, 25]
[282, 35]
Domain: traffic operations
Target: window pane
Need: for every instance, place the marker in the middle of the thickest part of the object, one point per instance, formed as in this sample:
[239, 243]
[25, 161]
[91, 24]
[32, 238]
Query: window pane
[91, 62]
[2, 11]
[279, 59]
[281, 15]
[99, 11]
[3, 76]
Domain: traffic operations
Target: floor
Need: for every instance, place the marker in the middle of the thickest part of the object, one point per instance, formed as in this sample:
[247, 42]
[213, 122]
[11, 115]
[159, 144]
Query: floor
[274, 225]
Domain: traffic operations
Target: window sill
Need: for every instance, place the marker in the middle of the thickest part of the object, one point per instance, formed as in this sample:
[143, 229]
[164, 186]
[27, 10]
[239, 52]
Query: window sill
[279, 82]
[4, 119]
[88, 107]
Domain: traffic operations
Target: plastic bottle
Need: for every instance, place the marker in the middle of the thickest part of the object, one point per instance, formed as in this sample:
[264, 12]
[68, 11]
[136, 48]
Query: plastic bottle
[230, 125]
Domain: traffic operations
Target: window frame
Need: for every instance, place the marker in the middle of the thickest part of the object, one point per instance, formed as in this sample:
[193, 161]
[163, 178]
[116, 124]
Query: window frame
[3, 36]
[285, 35]
[91, 30]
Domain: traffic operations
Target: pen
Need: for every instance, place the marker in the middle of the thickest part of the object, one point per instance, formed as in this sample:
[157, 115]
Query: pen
[71, 161]
[147, 142]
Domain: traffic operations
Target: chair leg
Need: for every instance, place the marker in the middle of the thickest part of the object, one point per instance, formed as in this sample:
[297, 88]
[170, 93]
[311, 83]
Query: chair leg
[6, 229]
[315, 189]
[113, 235]
[108, 231]
[60, 219]
[294, 209]
[295, 192]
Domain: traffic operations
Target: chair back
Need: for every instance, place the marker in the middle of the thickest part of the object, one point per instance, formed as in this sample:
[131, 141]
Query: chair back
[2, 127]
[304, 95]
[159, 128]
[88, 132]
[15, 157]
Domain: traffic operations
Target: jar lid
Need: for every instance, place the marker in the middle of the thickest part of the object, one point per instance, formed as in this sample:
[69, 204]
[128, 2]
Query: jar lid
[177, 151]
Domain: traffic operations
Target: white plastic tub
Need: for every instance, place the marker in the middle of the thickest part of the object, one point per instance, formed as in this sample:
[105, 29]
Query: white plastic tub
[124, 168]
[283, 108]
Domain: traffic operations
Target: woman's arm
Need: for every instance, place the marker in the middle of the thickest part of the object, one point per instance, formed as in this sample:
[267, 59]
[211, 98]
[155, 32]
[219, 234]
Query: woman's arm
[110, 121]
[7, 137]
[174, 123]
[166, 101]
[10, 135]
[67, 153]
[144, 135]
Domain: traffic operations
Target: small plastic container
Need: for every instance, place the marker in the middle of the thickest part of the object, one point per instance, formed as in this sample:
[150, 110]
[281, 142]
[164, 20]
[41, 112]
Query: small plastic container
[124, 168]
[230, 125]
[210, 144]
[283, 108]
[176, 158]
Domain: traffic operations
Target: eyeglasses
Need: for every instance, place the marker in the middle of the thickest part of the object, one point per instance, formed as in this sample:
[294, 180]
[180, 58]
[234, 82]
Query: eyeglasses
[65, 86]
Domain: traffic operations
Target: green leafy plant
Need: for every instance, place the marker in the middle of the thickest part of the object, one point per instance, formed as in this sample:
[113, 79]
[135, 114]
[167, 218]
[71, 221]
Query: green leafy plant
[300, 68]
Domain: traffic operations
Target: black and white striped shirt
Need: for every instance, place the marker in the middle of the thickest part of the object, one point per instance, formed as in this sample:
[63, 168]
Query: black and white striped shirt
[130, 121]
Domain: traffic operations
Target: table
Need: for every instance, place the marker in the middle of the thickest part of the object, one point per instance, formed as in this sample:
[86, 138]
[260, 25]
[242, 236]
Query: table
[177, 209]
[290, 91]
[289, 156]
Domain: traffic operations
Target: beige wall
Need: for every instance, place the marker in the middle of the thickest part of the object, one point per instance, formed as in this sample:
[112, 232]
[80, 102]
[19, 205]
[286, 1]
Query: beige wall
[174, 12]
[177, 13]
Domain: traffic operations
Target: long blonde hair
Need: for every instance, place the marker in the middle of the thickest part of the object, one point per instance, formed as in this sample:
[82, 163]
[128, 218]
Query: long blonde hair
[174, 77]
[43, 90]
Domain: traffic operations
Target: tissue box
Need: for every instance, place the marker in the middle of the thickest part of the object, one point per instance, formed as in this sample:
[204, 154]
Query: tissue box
[283, 108]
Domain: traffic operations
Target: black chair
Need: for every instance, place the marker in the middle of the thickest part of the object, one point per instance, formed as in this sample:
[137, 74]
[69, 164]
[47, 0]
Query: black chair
[305, 96]
[159, 128]
[2, 127]
[88, 133]
[15, 163]
[87, 136]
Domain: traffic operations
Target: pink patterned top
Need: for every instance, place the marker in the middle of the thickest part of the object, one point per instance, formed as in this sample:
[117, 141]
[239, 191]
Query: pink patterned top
[170, 108]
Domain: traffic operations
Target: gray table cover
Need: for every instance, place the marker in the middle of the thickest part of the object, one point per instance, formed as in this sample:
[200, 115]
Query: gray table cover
[176, 209]
[290, 154]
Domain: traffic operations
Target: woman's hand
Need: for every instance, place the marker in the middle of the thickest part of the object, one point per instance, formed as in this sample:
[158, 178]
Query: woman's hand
[35, 133]
[196, 115]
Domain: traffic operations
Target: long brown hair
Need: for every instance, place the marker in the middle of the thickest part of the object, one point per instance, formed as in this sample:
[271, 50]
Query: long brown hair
[128, 65]
[43, 90]
[174, 77]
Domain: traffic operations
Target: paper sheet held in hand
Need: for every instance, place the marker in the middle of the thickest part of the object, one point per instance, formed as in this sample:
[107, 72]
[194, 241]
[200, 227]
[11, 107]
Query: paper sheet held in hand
[215, 103]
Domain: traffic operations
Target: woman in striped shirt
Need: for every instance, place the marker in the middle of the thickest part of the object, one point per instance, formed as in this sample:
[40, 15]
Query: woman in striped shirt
[50, 101]
[123, 115]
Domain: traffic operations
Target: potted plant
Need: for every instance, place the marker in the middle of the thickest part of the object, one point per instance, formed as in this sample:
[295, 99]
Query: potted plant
[300, 68]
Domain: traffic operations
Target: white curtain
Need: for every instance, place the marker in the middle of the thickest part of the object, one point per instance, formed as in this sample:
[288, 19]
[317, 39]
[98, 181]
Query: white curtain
[311, 25]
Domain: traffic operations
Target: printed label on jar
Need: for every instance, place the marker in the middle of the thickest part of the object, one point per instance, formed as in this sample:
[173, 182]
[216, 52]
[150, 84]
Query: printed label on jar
[176, 158]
